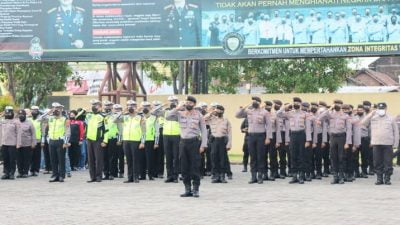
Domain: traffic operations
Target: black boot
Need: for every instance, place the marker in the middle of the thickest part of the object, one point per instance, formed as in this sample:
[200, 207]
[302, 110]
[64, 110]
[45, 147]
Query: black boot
[309, 177]
[301, 178]
[196, 191]
[215, 179]
[265, 176]
[222, 178]
[341, 178]
[313, 175]
[379, 179]
[272, 176]
[357, 174]
[364, 174]
[244, 168]
[261, 177]
[5, 177]
[387, 179]
[335, 179]
[318, 176]
[188, 191]
[253, 179]
[294, 179]
[282, 174]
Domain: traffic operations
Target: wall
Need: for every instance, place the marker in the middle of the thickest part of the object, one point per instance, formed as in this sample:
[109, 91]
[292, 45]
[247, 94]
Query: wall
[232, 103]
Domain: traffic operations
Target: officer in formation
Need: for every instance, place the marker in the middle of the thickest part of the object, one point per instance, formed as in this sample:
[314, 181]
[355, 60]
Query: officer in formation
[66, 28]
[26, 142]
[110, 139]
[183, 24]
[37, 151]
[8, 138]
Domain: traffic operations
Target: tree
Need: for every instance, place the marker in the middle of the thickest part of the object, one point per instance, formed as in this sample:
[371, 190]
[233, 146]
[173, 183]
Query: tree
[224, 76]
[31, 83]
[158, 71]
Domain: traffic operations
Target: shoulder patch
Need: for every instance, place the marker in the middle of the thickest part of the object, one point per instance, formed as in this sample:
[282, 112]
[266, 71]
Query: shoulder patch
[51, 10]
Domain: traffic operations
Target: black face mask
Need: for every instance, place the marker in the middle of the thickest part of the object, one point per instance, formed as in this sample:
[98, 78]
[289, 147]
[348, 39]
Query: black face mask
[189, 107]
[360, 113]
[203, 112]
[35, 114]
[172, 106]
[22, 118]
[349, 113]
[268, 109]
[314, 110]
[131, 110]
[94, 109]
[145, 110]
[220, 114]
[255, 105]
[9, 116]
[107, 110]
[337, 108]
[71, 117]
[366, 108]
[56, 112]
[277, 107]
[296, 107]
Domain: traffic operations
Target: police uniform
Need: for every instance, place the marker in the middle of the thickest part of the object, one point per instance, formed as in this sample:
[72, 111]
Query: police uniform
[244, 127]
[26, 142]
[366, 142]
[325, 142]
[318, 32]
[259, 132]
[66, 27]
[320, 136]
[118, 158]
[193, 127]
[151, 139]
[272, 150]
[37, 151]
[8, 138]
[110, 139]
[282, 140]
[159, 150]
[384, 136]
[183, 25]
[95, 139]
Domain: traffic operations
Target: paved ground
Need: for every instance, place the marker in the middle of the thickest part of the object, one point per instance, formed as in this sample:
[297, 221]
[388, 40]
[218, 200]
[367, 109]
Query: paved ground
[35, 201]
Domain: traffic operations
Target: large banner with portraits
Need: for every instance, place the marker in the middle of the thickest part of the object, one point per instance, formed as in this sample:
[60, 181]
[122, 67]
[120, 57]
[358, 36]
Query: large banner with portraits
[125, 30]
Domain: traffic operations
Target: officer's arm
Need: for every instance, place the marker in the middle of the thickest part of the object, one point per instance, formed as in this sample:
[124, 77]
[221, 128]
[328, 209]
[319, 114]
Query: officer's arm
[349, 131]
[204, 136]
[395, 134]
[33, 133]
[308, 127]
[367, 119]
[356, 133]
[143, 127]
[315, 133]
[18, 132]
[268, 126]
[278, 131]
[173, 115]
[229, 144]
[157, 133]
[67, 134]
[325, 115]
[282, 114]
[242, 113]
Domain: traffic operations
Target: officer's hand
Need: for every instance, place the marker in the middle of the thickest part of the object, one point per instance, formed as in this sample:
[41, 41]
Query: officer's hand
[267, 141]
[18, 146]
[227, 149]
[323, 145]
[141, 146]
[277, 145]
[370, 146]
[156, 146]
[355, 148]
[346, 146]
[80, 143]
[103, 144]
[78, 44]
[318, 122]
[314, 145]
[119, 143]
[287, 143]
[201, 150]
[33, 146]
[307, 144]
[65, 146]
[42, 145]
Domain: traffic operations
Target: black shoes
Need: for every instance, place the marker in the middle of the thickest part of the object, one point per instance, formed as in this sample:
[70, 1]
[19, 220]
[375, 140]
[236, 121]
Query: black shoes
[188, 192]
[56, 179]
[90, 181]
[121, 175]
[5, 177]
[128, 181]
[244, 169]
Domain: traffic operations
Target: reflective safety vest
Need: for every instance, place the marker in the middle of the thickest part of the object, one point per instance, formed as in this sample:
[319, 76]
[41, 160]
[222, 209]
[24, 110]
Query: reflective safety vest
[111, 128]
[150, 128]
[38, 128]
[161, 121]
[132, 129]
[94, 122]
[171, 127]
[56, 128]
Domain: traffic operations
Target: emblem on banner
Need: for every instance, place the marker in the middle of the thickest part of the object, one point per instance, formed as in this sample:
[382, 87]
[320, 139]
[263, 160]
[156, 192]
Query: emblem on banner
[36, 50]
[233, 43]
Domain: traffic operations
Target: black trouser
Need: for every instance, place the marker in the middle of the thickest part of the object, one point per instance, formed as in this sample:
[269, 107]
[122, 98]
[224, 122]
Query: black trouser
[383, 156]
[95, 159]
[47, 158]
[326, 157]
[74, 153]
[109, 153]
[206, 161]
[297, 151]
[349, 160]
[273, 155]
[190, 159]
[218, 155]
[317, 155]
[57, 155]
[141, 157]
[35, 159]
[337, 142]
[228, 165]
[245, 150]
[171, 149]
[131, 149]
[151, 159]
[24, 155]
[309, 153]
[9, 158]
[365, 152]
[118, 161]
[160, 160]
[257, 150]
[283, 153]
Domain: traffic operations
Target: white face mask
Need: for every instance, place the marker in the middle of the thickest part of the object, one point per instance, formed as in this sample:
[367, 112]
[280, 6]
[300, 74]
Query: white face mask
[381, 112]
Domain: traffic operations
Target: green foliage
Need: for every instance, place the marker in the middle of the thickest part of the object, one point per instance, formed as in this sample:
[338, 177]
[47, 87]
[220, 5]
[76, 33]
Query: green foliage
[224, 76]
[5, 101]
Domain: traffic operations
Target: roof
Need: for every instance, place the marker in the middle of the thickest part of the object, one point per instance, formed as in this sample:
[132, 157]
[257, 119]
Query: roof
[382, 78]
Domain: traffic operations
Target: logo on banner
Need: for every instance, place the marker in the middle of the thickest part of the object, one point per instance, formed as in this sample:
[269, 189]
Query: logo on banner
[233, 43]
[36, 50]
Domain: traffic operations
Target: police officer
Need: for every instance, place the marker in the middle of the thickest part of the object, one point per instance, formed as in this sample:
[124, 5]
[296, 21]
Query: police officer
[59, 134]
[384, 136]
[393, 29]
[284, 33]
[95, 141]
[151, 140]
[260, 134]
[251, 32]
[110, 138]
[340, 132]
[37, 151]
[320, 136]
[300, 138]
[309, 171]
[301, 31]
[183, 24]
[193, 127]
[171, 143]
[133, 139]
[362, 147]
[66, 26]
[26, 142]
[221, 142]
[367, 141]
[159, 150]
[223, 28]
[8, 138]
[349, 165]
[283, 142]
[118, 159]
[325, 141]
[358, 30]
[338, 30]
[272, 151]
[77, 128]
[244, 128]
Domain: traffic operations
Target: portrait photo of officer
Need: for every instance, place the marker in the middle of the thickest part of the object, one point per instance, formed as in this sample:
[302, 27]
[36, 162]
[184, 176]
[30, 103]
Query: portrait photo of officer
[66, 26]
[183, 24]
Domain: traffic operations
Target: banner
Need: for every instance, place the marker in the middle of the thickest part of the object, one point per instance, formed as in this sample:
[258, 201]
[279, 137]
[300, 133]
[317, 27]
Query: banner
[138, 30]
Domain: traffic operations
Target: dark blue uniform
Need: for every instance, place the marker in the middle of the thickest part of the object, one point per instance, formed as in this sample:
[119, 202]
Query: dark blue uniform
[65, 28]
[183, 25]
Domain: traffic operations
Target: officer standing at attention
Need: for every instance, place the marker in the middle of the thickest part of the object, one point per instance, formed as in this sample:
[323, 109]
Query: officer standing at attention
[171, 143]
[59, 134]
[110, 139]
[118, 161]
[193, 127]
[340, 133]
[159, 147]
[95, 141]
[66, 26]
[26, 142]
[300, 138]
[151, 140]
[283, 141]
[8, 138]
[221, 142]
[183, 24]
[384, 137]
[260, 134]
[37, 151]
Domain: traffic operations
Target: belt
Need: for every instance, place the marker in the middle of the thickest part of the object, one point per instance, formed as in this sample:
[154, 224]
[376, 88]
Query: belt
[189, 139]
[338, 135]
[256, 134]
[297, 132]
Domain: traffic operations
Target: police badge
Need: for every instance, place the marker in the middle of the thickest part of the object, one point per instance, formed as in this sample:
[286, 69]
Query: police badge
[36, 50]
[233, 43]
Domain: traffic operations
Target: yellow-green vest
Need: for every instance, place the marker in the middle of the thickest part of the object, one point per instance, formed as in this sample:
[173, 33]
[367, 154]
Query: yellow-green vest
[171, 127]
[132, 130]
[94, 122]
[56, 128]
[38, 129]
[111, 128]
[150, 128]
